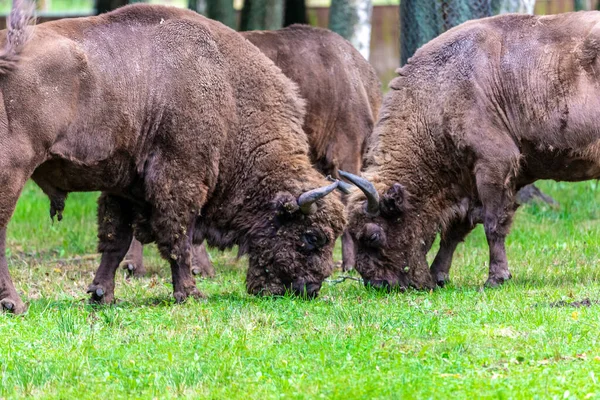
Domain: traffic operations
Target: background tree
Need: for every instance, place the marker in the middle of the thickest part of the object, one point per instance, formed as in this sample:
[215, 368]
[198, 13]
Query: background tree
[197, 5]
[513, 6]
[419, 23]
[295, 12]
[352, 20]
[422, 20]
[261, 14]
[221, 10]
[102, 6]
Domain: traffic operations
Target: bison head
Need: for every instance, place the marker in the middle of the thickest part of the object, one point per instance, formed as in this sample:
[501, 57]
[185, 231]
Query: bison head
[294, 251]
[390, 249]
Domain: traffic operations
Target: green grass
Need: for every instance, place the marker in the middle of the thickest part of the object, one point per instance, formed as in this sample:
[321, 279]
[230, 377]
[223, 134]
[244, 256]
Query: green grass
[459, 342]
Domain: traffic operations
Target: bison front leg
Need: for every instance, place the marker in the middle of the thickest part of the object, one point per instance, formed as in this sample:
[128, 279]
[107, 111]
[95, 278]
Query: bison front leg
[12, 180]
[114, 234]
[134, 259]
[172, 222]
[201, 264]
[455, 234]
[175, 246]
[9, 299]
[496, 191]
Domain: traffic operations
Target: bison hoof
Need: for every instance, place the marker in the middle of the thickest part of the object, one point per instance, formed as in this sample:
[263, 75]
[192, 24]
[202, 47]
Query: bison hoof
[203, 272]
[180, 297]
[346, 267]
[99, 295]
[133, 270]
[496, 281]
[441, 279]
[14, 306]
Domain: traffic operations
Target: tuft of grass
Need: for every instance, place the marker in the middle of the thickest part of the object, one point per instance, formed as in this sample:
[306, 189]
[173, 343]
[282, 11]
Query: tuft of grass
[523, 340]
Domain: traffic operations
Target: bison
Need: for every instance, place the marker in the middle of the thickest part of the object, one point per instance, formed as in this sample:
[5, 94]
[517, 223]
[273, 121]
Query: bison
[343, 97]
[477, 113]
[187, 129]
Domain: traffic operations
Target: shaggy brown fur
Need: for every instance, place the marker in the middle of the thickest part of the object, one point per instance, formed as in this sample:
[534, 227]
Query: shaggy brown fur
[182, 124]
[343, 97]
[476, 114]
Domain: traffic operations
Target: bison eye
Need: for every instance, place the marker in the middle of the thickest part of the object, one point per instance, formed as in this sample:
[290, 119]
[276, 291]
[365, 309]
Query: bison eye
[372, 236]
[313, 240]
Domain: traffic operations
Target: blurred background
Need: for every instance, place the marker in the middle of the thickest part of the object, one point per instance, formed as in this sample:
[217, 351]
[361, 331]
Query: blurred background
[387, 32]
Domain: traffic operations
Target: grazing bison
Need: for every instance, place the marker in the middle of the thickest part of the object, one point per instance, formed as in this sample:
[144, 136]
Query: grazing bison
[476, 114]
[185, 127]
[343, 97]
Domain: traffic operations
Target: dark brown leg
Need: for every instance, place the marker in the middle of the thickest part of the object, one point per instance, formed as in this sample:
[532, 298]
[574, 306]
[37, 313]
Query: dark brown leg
[348, 252]
[9, 299]
[456, 233]
[175, 246]
[497, 197]
[172, 222]
[12, 180]
[114, 234]
[134, 259]
[201, 264]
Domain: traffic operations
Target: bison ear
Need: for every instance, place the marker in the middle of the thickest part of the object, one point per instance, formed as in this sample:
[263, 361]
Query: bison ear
[394, 201]
[285, 205]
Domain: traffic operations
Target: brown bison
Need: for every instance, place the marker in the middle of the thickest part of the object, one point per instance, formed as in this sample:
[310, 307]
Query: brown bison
[343, 97]
[476, 114]
[186, 128]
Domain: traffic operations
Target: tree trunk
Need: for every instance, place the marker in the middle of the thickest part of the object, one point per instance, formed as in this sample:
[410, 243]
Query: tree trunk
[222, 11]
[455, 12]
[581, 5]
[352, 20]
[102, 6]
[513, 6]
[419, 23]
[295, 12]
[197, 5]
[423, 20]
[261, 15]
[274, 14]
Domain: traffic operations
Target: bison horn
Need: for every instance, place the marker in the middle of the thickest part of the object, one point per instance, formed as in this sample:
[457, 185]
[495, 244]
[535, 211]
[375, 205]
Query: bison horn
[307, 200]
[342, 186]
[367, 188]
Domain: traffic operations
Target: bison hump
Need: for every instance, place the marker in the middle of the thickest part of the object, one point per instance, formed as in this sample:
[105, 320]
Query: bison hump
[590, 47]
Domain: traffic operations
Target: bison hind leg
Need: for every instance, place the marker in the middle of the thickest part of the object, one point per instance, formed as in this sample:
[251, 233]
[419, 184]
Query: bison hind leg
[114, 234]
[133, 262]
[201, 263]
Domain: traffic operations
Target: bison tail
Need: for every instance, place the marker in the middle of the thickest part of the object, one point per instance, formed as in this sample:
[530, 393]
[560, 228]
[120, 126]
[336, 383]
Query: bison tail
[18, 32]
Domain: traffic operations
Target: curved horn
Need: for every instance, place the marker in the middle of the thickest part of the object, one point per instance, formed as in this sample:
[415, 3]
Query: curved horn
[342, 186]
[307, 199]
[367, 188]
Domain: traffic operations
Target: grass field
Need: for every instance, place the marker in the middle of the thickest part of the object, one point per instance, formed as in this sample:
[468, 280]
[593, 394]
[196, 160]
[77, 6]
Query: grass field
[524, 340]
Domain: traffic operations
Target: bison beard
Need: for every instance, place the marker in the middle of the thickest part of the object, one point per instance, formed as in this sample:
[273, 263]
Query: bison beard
[206, 142]
[477, 113]
[343, 97]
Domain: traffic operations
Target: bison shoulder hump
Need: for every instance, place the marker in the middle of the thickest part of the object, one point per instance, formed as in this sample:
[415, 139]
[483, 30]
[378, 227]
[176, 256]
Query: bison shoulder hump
[591, 47]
